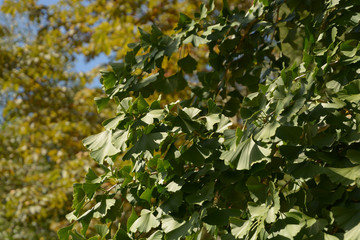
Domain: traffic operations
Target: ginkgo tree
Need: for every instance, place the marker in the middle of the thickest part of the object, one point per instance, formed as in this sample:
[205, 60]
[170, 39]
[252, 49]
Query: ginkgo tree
[266, 147]
[46, 104]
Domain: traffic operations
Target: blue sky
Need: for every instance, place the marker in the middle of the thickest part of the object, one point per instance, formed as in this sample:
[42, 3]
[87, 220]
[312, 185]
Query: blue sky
[81, 65]
[47, 2]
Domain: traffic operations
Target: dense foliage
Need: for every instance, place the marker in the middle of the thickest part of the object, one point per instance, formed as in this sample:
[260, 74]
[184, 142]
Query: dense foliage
[266, 147]
[47, 106]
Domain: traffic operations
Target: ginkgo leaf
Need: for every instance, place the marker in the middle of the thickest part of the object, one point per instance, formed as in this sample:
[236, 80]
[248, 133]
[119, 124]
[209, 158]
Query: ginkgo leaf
[175, 186]
[102, 230]
[158, 235]
[244, 155]
[64, 232]
[147, 142]
[196, 154]
[224, 124]
[112, 123]
[239, 228]
[206, 193]
[188, 64]
[191, 112]
[119, 138]
[145, 222]
[211, 120]
[268, 131]
[176, 230]
[348, 218]
[153, 114]
[100, 145]
[195, 40]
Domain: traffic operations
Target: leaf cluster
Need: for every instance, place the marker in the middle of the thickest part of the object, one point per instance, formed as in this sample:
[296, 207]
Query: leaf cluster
[266, 147]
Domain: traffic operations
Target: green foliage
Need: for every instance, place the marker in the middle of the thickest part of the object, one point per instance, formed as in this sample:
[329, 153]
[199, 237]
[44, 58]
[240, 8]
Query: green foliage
[47, 106]
[287, 75]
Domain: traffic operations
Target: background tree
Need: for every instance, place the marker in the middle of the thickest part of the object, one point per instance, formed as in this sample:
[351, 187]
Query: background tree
[47, 107]
[288, 168]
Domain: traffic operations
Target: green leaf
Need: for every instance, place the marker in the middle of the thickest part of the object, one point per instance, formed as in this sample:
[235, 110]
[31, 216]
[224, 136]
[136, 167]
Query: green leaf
[188, 64]
[146, 195]
[157, 114]
[268, 131]
[240, 228]
[102, 230]
[195, 40]
[203, 11]
[145, 82]
[219, 217]
[169, 224]
[257, 190]
[244, 155]
[344, 176]
[121, 234]
[351, 91]
[100, 146]
[158, 235]
[211, 120]
[190, 112]
[196, 154]
[350, 47]
[90, 189]
[323, 140]
[145, 222]
[173, 203]
[333, 3]
[101, 208]
[175, 186]
[125, 105]
[206, 193]
[348, 218]
[112, 123]
[286, 72]
[171, 84]
[224, 124]
[91, 177]
[334, 32]
[186, 123]
[172, 47]
[257, 210]
[140, 104]
[108, 80]
[177, 230]
[93, 238]
[71, 216]
[147, 143]
[118, 68]
[184, 20]
[289, 133]
[101, 103]
[232, 138]
[353, 155]
[79, 197]
[64, 232]
[76, 236]
[131, 219]
[85, 221]
[289, 232]
[119, 138]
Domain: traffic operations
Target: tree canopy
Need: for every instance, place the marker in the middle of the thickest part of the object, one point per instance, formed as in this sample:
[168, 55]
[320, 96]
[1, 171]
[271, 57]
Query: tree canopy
[46, 105]
[265, 147]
